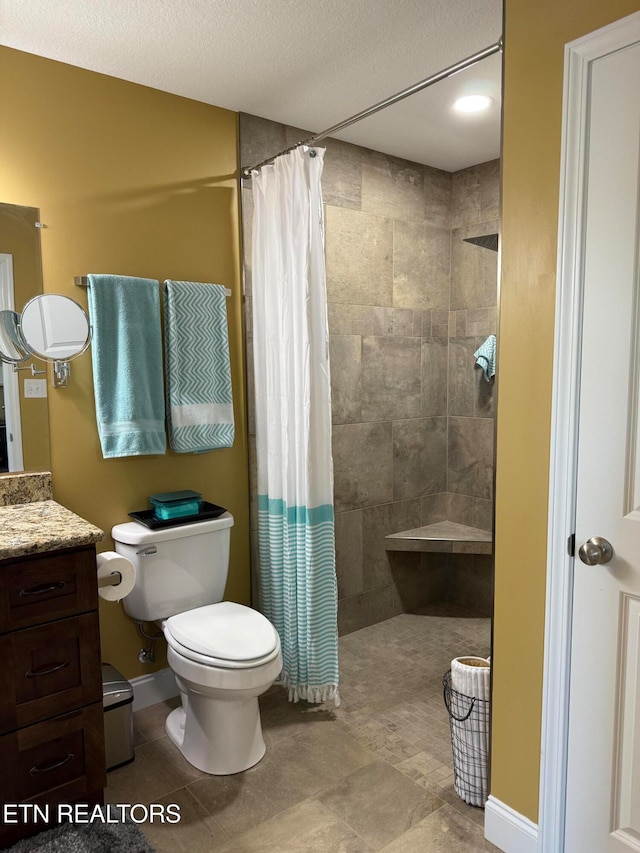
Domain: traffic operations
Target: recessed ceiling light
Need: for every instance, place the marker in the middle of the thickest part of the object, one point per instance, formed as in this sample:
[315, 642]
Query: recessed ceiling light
[473, 103]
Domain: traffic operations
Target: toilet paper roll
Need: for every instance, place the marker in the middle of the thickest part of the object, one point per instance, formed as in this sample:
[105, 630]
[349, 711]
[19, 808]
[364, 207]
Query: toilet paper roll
[108, 563]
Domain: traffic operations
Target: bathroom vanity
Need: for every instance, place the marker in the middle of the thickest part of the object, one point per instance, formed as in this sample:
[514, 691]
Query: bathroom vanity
[51, 715]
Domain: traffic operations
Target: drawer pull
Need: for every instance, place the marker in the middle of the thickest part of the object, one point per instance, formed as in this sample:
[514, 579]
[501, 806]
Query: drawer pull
[45, 768]
[48, 671]
[42, 589]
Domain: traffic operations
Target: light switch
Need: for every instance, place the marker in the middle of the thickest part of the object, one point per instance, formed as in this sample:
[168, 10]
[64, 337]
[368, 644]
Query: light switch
[35, 388]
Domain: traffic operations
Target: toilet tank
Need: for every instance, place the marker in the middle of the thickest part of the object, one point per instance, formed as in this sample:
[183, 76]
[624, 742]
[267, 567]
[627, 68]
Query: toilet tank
[177, 568]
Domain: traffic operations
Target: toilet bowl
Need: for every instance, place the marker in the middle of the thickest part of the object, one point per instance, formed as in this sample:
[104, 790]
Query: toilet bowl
[217, 728]
[223, 655]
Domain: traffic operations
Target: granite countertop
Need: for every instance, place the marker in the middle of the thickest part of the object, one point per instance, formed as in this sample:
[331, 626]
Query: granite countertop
[25, 487]
[42, 525]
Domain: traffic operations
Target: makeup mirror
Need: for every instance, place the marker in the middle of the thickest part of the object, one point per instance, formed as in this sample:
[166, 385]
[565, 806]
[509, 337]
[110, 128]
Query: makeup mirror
[12, 350]
[55, 327]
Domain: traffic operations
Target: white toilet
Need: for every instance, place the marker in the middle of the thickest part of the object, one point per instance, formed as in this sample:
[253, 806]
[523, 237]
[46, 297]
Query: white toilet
[224, 655]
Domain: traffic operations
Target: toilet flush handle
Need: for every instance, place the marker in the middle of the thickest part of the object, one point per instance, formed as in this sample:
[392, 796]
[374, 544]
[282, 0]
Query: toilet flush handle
[147, 552]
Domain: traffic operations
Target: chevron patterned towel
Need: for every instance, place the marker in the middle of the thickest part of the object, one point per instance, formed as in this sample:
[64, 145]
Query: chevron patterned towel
[199, 400]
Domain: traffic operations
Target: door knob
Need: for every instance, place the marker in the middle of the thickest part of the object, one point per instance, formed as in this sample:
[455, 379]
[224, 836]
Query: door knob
[596, 551]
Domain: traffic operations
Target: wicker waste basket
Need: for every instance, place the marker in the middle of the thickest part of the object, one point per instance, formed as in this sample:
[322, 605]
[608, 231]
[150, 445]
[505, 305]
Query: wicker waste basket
[469, 723]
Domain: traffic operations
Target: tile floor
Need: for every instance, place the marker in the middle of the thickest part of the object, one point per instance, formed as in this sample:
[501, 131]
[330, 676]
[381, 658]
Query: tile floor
[373, 774]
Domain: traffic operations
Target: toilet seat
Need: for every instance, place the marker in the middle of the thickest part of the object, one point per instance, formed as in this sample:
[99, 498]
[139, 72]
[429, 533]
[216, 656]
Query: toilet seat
[224, 635]
[207, 660]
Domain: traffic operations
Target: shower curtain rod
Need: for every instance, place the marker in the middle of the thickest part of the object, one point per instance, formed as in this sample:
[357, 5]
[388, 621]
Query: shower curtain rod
[381, 105]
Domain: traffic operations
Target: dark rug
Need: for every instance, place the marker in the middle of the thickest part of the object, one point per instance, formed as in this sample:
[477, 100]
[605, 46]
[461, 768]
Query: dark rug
[86, 838]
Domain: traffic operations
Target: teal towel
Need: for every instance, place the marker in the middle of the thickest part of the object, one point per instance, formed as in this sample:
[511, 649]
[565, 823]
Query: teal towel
[485, 357]
[199, 401]
[126, 353]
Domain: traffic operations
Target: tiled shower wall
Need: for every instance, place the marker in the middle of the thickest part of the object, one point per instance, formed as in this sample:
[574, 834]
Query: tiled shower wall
[409, 302]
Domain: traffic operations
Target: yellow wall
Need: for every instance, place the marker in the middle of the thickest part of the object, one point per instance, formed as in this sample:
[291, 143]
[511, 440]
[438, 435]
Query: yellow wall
[535, 34]
[134, 181]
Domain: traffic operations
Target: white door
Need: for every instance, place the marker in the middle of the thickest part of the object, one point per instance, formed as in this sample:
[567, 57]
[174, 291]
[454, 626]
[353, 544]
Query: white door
[603, 775]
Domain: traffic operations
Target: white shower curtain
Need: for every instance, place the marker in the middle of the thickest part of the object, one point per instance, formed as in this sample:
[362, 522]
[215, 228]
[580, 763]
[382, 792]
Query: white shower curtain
[293, 422]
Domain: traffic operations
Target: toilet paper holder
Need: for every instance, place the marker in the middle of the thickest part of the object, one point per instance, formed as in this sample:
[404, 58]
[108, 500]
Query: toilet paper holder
[116, 576]
[110, 580]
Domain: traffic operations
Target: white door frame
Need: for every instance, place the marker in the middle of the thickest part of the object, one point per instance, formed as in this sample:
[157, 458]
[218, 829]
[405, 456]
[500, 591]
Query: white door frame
[564, 424]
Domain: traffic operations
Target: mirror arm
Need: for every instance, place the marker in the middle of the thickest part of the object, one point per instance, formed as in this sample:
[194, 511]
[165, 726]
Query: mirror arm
[34, 370]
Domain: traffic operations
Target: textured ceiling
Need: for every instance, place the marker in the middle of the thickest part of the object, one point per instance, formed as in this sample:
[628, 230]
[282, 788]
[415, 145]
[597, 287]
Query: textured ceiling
[305, 64]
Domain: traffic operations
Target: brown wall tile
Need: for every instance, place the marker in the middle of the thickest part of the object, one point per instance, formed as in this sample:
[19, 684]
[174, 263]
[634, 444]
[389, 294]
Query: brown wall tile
[393, 188]
[391, 378]
[346, 378]
[362, 465]
[380, 521]
[359, 251]
[419, 457]
[434, 377]
[462, 379]
[470, 457]
[358, 611]
[349, 553]
[342, 175]
[434, 508]
[437, 197]
[421, 266]
[418, 580]
[474, 270]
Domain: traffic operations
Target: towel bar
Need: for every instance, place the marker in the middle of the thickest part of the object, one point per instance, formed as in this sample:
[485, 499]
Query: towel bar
[83, 281]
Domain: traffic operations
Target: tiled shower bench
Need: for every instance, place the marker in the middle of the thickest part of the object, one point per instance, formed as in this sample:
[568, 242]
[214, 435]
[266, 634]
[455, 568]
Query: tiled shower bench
[446, 537]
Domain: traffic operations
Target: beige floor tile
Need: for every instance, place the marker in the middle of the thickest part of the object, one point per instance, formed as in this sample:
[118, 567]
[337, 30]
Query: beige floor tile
[420, 767]
[444, 831]
[158, 769]
[375, 771]
[236, 802]
[138, 739]
[292, 770]
[379, 803]
[445, 790]
[282, 719]
[148, 724]
[197, 832]
[308, 827]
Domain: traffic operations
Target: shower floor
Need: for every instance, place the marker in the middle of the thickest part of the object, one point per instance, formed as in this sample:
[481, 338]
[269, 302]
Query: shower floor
[373, 774]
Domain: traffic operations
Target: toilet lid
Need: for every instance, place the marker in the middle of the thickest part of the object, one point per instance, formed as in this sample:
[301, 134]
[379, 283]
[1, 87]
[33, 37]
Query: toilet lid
[227, 631]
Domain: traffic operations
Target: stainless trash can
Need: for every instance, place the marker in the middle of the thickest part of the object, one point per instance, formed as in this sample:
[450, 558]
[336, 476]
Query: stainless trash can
[117, 701]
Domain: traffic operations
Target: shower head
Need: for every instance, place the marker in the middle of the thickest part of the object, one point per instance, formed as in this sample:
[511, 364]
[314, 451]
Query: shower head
[487, 241]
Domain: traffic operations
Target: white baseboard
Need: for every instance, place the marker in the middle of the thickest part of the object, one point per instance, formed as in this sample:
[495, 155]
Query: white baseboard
[509, 830]
[152, 688]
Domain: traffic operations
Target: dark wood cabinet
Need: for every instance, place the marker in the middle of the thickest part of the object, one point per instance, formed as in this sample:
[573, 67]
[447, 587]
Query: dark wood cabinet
[51, 715]
[48, 586]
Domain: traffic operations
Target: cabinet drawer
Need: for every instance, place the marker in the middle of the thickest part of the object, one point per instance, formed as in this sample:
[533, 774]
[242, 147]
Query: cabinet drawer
[65, 753]
[49, 670]
[44, 587]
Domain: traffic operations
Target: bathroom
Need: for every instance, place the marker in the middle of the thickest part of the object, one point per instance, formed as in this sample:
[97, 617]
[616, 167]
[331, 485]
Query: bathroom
[422, 346]
[161, 200]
